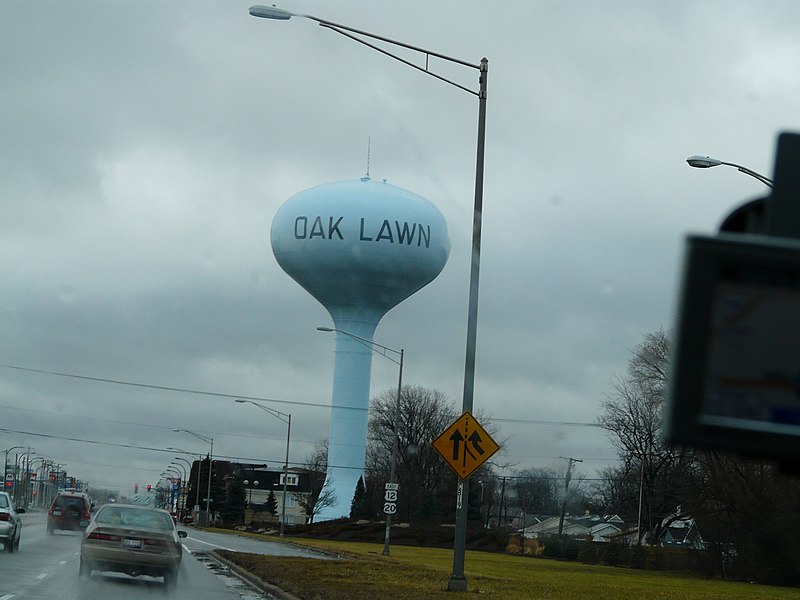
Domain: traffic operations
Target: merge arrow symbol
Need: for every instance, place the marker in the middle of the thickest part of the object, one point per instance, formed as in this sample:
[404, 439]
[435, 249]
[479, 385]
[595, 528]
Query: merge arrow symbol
[475, 440]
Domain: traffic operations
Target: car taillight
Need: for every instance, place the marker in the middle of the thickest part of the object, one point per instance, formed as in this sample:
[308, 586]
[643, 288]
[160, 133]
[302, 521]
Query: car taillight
[85, 515]
[103, 536]
[5, 516]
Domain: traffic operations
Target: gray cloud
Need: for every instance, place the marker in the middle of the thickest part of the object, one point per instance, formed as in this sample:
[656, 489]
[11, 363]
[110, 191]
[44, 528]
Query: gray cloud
[147, 146]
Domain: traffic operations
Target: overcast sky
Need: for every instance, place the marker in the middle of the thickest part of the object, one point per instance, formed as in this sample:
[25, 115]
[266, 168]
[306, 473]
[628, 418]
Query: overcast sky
[146, 147]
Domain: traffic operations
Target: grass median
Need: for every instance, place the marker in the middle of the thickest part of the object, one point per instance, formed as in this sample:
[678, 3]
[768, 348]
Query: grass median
[413, 573]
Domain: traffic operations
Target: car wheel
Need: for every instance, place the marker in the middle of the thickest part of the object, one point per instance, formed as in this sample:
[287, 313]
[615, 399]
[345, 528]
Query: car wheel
[49, 530]
[9, 545]
[84, 570]
[16, 545]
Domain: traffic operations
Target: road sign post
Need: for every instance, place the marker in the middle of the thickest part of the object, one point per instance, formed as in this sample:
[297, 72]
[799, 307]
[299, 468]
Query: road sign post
[464, 446]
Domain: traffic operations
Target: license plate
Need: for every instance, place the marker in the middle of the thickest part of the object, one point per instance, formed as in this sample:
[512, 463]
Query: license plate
[56, 513]
[84, 523]
[132, 543]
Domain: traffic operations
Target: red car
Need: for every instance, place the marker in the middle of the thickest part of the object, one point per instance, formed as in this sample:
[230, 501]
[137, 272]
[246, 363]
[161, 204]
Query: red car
[70, 511]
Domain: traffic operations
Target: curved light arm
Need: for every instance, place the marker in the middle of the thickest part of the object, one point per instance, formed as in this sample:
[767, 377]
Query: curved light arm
[275, 413]
[207, 440]
[272, 12]
[179, 467]
[188, 464]
[706, 162]
[12, 448]
[374, 346]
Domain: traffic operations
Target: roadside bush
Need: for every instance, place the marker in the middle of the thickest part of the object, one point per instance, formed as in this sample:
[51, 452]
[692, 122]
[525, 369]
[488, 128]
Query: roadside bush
[589, 553]
[613, 554]
[564, 546]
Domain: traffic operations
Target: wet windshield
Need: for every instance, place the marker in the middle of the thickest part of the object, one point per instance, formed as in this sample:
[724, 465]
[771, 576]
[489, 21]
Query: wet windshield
[282, 285]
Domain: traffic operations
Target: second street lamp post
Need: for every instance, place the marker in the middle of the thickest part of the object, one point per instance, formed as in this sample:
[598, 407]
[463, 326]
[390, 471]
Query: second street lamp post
[458, 581]
[208, 440]
[286, 418]
[382, 350]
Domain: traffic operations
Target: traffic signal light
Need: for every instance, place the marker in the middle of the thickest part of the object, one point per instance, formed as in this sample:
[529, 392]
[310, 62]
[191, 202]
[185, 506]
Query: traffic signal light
[135, 488]
[148, 487]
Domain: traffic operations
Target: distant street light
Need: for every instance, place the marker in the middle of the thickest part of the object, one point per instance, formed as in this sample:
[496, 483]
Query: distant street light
[458, 581]
[183, 484]
[706, 162]
[188, 464]
[382, 350]
[286, 418]
[208, 440]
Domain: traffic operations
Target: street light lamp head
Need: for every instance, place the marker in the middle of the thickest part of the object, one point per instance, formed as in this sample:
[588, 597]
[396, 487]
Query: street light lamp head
[270, 12]
[703, 162]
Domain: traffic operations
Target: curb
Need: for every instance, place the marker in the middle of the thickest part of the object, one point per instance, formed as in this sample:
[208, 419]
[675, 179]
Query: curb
[253, 580]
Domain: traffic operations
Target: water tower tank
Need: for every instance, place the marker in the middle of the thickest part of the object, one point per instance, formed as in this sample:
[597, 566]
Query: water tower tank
[359, 247]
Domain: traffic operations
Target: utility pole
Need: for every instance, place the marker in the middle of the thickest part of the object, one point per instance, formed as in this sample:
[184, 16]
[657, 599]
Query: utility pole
[570, 462]
[502, 501]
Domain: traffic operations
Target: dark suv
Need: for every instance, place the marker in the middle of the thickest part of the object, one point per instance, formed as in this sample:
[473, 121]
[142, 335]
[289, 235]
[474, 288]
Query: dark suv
[70, 510]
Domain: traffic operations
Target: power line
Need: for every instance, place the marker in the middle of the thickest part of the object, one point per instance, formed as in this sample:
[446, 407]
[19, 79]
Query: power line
[259, 398]
[540, 422]
[150, 425]
[171, 389]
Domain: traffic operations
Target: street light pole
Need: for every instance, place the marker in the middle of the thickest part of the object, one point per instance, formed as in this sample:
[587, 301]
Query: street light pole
[210, 462]
[706, 162]
[286, 418]
[457, 580]
[382, 350]
[5, 465]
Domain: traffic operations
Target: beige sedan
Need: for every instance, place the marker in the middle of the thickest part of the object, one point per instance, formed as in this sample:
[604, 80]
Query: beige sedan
[132, 539]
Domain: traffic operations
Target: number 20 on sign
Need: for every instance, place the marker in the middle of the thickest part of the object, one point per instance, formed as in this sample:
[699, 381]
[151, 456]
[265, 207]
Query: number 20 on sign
[465, 445]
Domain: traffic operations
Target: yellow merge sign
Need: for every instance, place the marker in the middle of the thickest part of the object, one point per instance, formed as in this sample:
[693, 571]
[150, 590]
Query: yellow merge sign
[465, 445]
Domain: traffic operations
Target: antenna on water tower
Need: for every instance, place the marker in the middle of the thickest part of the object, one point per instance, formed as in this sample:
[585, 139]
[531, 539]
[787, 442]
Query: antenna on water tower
[369, 148]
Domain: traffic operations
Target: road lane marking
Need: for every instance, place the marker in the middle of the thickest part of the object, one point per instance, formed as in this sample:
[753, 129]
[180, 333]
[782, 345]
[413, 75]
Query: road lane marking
[62, 562]
[210, 544]
[41, 576]
[7, 597]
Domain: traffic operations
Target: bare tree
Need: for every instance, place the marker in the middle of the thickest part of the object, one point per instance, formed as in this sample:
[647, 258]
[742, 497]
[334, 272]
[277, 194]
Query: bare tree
[538, 490]
[424, 414]
[747, 512]
[321, 495]
[633, 416]
[746, 509]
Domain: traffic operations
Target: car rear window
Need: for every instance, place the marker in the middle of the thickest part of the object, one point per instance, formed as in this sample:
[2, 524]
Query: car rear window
[134, 518]
[70, 501]
[3, 502]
